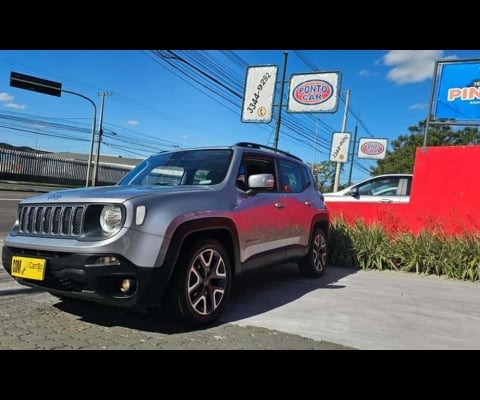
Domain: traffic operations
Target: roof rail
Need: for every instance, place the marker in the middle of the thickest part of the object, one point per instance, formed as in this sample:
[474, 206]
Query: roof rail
[261, 146]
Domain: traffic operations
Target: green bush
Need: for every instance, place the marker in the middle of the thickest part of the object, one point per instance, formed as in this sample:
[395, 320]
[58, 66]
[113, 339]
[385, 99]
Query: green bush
[359, 245]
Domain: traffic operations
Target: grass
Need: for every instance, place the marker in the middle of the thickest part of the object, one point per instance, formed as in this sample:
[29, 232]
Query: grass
[373, 246]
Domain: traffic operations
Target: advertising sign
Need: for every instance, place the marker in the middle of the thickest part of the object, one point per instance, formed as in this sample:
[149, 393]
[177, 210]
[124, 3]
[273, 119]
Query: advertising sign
[340, 145]
[458, 95]
[259, 93]
[314, 92]
[374, 149]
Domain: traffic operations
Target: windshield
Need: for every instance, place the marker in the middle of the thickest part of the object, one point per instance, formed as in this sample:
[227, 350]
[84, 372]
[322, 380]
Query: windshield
[189, 167]
[380, 187]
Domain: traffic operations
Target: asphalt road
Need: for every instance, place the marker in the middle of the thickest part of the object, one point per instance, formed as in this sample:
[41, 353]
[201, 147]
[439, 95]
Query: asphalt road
[8, 207]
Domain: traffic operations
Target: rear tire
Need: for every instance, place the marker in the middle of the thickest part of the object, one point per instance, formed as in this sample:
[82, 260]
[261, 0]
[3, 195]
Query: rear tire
[314, 264]
[200, 284]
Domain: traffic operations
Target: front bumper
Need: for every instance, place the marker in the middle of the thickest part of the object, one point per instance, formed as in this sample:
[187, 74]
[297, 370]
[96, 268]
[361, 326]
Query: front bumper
[78, 276]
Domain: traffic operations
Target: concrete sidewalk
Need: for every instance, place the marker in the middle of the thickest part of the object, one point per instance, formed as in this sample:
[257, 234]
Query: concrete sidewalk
[362, 309]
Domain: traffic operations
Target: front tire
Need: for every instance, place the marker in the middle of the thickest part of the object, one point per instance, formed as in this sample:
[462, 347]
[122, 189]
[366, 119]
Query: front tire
[314, 264]
[201, 283]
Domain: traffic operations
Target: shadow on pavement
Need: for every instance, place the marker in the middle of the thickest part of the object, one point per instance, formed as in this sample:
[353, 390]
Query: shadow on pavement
[23, 291]
[155, 320]
[263, 290]
[252, 293]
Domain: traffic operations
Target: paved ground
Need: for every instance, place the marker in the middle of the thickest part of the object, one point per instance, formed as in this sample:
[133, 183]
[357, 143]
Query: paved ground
[269, 309]
[35, 320]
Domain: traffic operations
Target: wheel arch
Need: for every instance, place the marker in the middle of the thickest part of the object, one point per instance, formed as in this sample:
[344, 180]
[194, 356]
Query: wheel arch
[221, 229]
[320, 221]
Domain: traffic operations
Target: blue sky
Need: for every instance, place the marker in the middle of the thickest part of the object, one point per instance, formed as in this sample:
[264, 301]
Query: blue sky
[188, 98]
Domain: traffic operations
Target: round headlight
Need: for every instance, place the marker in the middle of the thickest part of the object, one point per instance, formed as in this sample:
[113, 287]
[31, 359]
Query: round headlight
[111, 218]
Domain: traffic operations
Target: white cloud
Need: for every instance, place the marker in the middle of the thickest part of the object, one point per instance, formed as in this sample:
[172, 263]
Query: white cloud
[365, 72]
[16, 106]
[411, 66]
[418, 106]
[8, 102]
[132, 122]
[185, 136]
[5, 97]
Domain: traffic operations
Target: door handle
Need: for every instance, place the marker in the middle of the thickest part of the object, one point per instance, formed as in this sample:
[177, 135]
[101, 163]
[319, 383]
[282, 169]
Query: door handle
[279, 204]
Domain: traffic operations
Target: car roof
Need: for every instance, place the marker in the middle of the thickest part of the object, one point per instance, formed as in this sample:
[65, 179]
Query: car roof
[245, 145]
[400, 175]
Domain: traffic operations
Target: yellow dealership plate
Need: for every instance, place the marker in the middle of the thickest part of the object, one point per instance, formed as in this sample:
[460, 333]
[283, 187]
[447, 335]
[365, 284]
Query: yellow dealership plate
[30, 268]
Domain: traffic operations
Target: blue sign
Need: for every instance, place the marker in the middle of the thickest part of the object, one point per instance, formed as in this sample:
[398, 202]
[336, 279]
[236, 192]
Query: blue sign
[458, 95]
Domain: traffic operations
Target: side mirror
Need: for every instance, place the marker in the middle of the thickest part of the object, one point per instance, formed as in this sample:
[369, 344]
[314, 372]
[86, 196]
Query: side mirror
[353, 192]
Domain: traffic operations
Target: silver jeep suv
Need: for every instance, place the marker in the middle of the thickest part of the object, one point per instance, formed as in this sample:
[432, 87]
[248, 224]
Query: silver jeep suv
[174, 231]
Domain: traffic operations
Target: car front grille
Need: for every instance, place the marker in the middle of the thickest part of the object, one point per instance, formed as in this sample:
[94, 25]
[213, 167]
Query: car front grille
[52, 220]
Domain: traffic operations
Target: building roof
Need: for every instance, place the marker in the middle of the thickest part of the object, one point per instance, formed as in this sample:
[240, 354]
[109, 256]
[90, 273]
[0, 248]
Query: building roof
[103, 158]
[75, 156]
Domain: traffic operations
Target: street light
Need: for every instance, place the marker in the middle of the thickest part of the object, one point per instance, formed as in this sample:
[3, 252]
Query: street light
[54, 89]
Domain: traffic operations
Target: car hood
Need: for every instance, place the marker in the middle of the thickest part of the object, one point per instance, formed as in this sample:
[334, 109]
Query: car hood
[109, 194]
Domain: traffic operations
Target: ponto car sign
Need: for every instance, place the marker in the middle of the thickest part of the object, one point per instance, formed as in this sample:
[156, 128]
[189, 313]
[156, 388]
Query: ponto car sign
[372, 148]
[315, 92]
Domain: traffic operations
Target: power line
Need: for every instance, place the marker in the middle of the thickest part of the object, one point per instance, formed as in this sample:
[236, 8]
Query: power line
[219, 75]
[295, 128]
[307, 61]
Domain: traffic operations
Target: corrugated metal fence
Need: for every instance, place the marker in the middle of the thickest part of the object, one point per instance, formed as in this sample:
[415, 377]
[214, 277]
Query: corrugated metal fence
[44, 168]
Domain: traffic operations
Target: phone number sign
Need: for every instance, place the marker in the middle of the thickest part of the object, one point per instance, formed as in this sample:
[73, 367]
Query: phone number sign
[259, 93]
[340, 146]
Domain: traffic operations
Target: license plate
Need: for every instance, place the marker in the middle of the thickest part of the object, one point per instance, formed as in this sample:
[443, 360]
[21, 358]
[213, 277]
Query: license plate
[30, 268]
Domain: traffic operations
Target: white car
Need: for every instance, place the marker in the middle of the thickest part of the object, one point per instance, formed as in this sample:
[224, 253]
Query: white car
[388, 188]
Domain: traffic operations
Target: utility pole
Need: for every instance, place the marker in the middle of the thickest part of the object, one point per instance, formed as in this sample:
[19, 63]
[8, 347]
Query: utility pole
[344, 127]
[353, 155]
[280, 103]
[99, 139]
[315, 175]
[315, 139]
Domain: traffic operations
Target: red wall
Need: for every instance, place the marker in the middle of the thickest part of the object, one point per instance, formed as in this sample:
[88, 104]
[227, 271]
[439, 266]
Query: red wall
[445, 194]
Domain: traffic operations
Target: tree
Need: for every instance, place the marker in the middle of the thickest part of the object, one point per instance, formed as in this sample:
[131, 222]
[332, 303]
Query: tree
[402, 156]
[324, 174]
